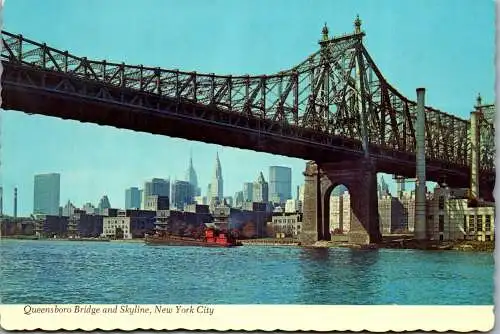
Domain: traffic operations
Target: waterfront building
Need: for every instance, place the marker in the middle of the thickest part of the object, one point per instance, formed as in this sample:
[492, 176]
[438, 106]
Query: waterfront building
[155, 202]
[157, 186]
[182, 194]
[103, 204]
[251, 221]
[260, 190]
[217, 185]
[280, 184]
[197, 208]
[407, 198]
[132, 198]
[293, 206]
[52, 226]
[340, 213]
[391, 214]
[449, 216]
[129, 224]
[192, 178]
[82, 225]
[289, 224]
[17, 226]
[247, 192]
[47, 194]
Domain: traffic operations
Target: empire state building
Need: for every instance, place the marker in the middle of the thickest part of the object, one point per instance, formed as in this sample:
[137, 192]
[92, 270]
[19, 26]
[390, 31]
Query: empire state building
[192, 178]
[217, 185]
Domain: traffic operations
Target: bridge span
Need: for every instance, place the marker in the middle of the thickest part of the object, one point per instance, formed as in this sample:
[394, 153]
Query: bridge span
[335, 108]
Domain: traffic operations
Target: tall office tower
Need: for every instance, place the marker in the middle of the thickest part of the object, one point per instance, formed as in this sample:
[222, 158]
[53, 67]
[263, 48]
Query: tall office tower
[182, 194]
[132, 198]
[238, 199]
[247, 192]
[260, 190]
[89, 208]
[156, 187]
[47, 194]
[383, 188]
[209, 192]
[103, 204]
[217, 184]
[280, 183]
[192, 178]
[15, 203]
[68, 209]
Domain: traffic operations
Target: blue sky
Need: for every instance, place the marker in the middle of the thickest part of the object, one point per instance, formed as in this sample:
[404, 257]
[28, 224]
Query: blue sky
[446, 46]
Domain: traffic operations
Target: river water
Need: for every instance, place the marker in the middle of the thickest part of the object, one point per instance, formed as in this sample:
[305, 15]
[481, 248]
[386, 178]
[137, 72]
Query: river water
[49, 272]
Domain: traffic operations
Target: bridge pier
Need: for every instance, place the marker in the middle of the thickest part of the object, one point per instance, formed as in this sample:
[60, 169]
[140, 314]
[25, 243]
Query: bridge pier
[360, 178]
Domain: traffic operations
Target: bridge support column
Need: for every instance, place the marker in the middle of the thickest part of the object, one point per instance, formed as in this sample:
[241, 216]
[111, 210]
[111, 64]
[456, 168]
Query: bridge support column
[360, 178]
[311, 207]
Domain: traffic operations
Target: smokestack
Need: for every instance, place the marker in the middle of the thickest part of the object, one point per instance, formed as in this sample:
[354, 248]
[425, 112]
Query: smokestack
[474, 172]
[15, 202]
[420, 189]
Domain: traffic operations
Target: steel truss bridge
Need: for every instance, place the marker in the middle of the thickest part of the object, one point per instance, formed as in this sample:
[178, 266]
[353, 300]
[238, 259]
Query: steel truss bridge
[333, 106]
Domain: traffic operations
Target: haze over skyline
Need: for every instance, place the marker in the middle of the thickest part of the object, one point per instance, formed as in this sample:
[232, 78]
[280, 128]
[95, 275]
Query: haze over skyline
[441, 46]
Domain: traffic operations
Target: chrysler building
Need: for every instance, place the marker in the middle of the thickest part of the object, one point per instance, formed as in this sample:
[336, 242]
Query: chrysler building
[217, 184]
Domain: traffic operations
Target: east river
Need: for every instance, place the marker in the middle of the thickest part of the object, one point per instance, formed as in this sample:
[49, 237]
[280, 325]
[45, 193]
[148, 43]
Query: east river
[48, 272]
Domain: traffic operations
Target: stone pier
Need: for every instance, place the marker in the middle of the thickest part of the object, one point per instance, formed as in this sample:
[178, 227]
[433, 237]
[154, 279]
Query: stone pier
[360, 178]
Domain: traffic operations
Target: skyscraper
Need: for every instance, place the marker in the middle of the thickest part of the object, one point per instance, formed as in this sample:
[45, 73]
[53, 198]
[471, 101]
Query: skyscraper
[158, 187]
[132, 198]
[217, 184]
[192, 178]
[69, 209]
[280, 183]
[182, 194]
[260, 190]
[103, 204]
[47, 194]
[247, 192]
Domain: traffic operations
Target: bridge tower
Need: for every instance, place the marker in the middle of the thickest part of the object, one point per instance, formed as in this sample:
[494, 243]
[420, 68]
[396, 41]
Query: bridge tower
[359, 176]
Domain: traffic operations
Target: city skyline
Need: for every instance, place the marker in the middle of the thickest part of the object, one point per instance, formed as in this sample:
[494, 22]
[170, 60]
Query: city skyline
[121, 202]
[92, 160]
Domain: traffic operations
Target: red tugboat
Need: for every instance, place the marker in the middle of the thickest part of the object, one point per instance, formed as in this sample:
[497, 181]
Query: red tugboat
[211, 238]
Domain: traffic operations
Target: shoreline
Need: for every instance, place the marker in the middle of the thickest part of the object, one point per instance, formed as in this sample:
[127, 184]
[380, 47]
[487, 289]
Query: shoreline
[401, 243]
[34, 238]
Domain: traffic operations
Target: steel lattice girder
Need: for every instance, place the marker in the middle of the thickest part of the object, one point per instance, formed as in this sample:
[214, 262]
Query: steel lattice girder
[326, 94]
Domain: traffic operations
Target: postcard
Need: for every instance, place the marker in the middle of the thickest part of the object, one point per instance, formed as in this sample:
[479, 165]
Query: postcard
[247, 165]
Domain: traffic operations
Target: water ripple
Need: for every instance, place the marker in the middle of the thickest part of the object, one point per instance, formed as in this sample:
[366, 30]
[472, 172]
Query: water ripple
[79, 272]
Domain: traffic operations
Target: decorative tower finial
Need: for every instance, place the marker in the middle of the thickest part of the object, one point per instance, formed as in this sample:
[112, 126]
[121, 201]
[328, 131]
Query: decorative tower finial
[325, 33]
[357, 25]
[479, 100]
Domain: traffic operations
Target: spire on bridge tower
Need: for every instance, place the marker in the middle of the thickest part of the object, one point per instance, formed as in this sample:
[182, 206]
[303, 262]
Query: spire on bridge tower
[357, 25]
[325, 33]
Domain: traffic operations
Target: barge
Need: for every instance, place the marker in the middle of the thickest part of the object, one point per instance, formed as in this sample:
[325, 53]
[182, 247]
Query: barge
[211, 238]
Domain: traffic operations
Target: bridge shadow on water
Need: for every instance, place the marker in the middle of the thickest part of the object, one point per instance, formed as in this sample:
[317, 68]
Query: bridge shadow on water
[339, 276]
